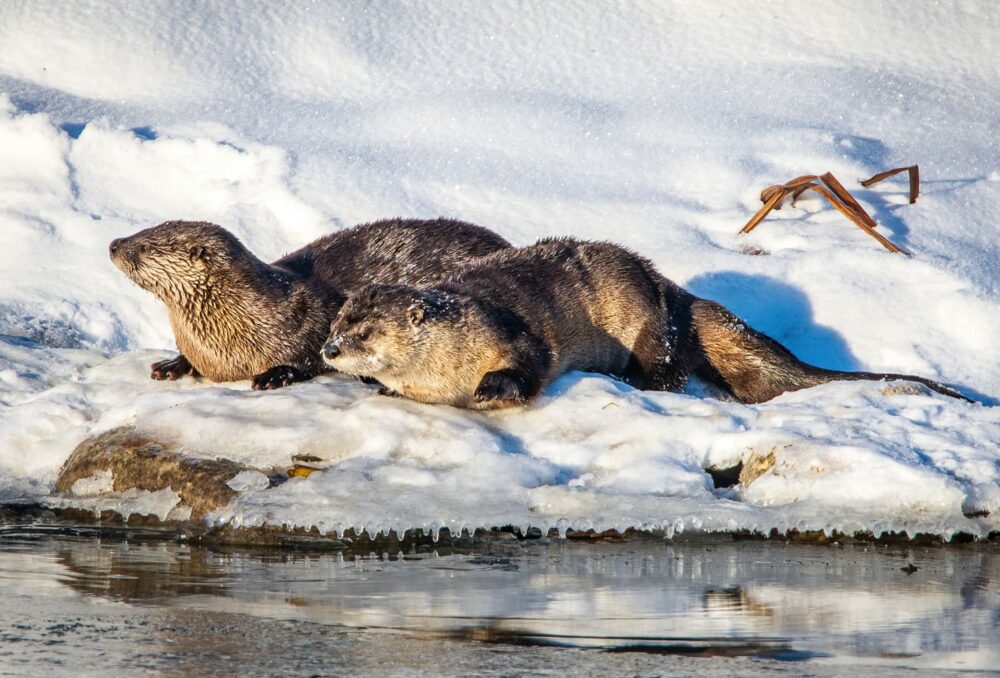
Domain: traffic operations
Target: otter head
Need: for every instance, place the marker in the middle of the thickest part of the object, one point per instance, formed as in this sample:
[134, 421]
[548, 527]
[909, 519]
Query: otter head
[386, 329]
[178, 259]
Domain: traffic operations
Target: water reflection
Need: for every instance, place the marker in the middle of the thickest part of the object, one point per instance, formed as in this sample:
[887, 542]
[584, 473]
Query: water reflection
[848, 603]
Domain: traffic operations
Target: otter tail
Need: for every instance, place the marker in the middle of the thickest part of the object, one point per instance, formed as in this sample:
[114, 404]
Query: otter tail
[755, 368]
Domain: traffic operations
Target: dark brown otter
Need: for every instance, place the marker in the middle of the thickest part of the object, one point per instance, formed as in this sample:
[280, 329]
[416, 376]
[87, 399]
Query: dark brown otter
[237, 317]
[496, 332]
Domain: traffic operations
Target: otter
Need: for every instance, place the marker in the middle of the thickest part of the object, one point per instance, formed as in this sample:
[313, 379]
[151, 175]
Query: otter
[237, 317]
[498, 331]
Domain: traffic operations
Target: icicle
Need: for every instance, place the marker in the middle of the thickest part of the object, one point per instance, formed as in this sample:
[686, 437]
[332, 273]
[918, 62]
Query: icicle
[678, 526]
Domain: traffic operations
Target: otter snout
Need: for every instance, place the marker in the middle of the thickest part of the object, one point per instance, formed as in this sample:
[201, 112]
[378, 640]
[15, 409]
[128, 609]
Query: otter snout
[121, 254]
[122, 249]
[331, 350]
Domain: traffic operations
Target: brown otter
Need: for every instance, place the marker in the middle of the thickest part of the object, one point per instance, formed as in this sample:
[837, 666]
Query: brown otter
[496, 332]
[237, 317]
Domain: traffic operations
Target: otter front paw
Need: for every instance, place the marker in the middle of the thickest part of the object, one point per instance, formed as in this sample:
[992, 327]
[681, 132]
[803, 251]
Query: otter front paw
[172, 369]
[278, 377]
[389, 393]
[501, 385]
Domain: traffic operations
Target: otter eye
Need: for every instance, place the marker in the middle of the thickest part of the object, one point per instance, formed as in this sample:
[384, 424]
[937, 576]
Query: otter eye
[143, 248]
[364, 334]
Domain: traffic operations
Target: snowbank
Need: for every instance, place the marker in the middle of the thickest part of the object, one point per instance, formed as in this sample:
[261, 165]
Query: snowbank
[653, 126]
[591, 453]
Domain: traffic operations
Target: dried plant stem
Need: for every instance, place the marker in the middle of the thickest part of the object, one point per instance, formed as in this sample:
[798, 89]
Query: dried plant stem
[912, 170]
[839, 197]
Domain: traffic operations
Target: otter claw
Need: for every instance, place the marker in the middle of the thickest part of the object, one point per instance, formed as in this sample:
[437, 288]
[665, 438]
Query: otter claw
[172, 369]
[499, 385]
[278, 377]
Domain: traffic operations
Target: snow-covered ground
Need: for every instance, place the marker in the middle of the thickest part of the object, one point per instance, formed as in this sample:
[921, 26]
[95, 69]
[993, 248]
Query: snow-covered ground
[654, 125]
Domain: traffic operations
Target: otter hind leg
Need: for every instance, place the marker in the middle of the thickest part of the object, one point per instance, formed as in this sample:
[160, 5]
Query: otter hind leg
[660, 355]
[280, 376]
[172, 369]
[654, 364]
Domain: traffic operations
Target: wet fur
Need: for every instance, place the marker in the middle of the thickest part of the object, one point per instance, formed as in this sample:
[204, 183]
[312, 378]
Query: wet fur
[235, 316]
[498, 331]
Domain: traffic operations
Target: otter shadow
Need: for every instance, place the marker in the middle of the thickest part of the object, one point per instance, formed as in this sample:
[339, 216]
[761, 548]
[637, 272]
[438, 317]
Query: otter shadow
[779, 311]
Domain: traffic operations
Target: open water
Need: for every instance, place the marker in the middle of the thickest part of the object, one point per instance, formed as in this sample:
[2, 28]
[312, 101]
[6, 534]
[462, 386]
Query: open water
[80, 602]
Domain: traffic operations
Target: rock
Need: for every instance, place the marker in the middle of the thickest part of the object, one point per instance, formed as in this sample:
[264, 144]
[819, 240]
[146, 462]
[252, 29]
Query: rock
[905, 388]
[757, 465]
[138, 462]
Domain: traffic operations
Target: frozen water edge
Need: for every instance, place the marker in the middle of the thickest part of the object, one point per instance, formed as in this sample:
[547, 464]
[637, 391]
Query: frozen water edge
[592, 453]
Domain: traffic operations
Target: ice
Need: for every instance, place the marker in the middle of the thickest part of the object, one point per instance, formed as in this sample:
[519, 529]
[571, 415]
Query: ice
[249, 480]
[101, 482]
[164, 504]
[652, 125]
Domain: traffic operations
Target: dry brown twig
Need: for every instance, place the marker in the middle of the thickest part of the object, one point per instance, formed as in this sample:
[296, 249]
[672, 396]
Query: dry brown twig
[834, 192]
[914, 172]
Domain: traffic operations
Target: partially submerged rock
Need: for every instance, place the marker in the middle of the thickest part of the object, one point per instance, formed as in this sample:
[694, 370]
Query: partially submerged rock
[122, 459]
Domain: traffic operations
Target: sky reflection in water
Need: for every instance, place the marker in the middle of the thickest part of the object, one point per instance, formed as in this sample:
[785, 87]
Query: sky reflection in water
[829, 605]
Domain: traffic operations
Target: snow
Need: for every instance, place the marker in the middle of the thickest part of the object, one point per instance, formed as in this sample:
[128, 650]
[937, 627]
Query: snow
[652, 125]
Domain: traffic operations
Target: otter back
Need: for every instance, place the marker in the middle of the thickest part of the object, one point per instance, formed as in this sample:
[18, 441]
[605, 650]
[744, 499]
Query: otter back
[509, 323]
[236, 317]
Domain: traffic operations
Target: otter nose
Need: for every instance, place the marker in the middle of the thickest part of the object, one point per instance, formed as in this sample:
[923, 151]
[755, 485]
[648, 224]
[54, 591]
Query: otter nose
[115, 244]
[330, 350]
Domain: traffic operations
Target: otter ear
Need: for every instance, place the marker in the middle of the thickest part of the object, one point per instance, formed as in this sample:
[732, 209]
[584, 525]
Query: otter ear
[415, 314]
[197, 252]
